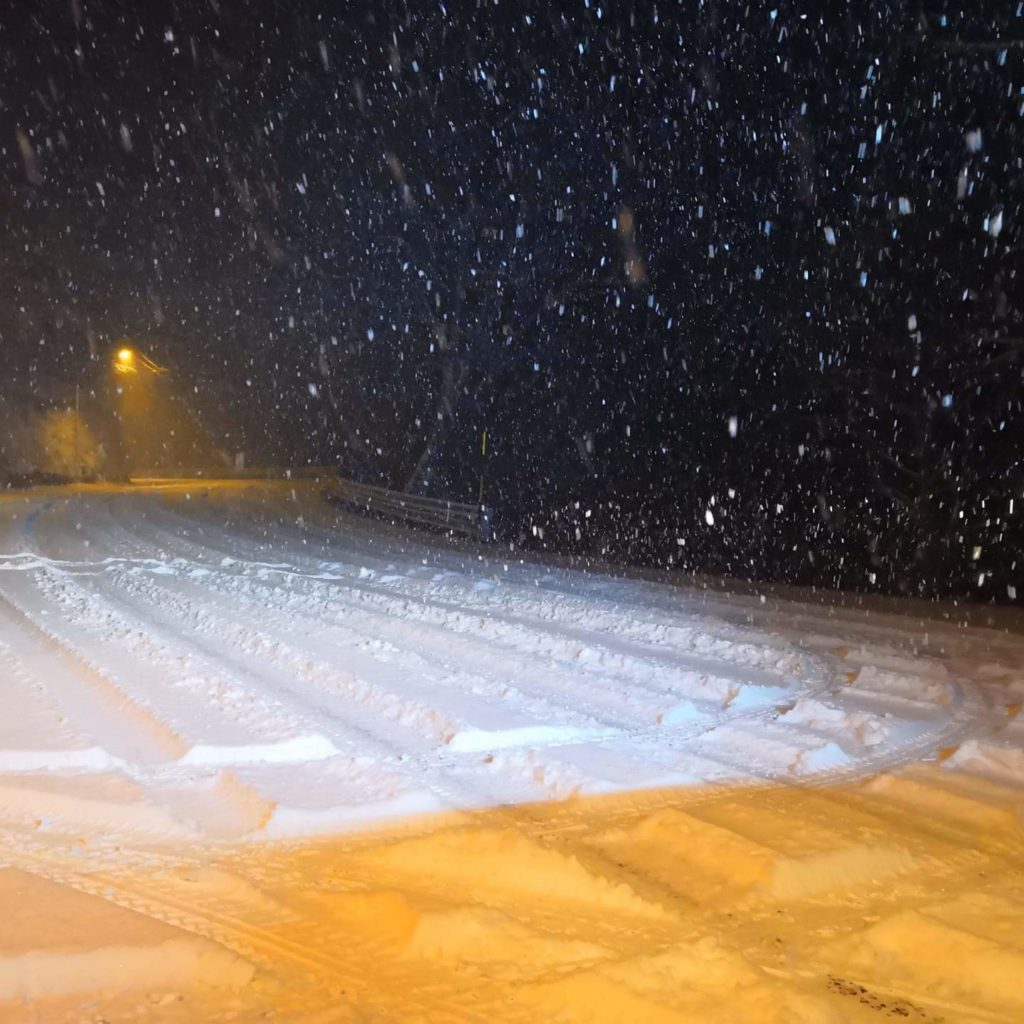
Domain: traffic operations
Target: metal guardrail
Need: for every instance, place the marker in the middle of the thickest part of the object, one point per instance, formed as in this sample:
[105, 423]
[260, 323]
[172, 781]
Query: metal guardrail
[476, 521]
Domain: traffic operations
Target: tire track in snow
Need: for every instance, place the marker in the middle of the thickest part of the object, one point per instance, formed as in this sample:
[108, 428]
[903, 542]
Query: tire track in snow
[920, 741]
[645, 666]
[269, 592]
[622, 623]
[620, 702]
[355, 616]
[801, 739]
[676, 736]
[96, 704]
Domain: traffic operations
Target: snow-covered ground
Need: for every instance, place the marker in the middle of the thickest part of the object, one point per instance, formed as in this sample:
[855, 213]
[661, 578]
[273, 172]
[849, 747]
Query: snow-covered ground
[193, 670]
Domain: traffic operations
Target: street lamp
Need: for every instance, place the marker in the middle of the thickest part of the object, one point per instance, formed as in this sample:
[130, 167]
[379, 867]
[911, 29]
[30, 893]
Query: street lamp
[139, 405]
[128, 360]
[124, 361]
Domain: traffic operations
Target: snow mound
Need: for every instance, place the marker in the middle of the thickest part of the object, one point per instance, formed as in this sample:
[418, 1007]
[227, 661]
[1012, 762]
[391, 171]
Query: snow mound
[468, 740]
[459, 935]
[916, 951]
[296, 750]
[858, 726]
[992, 759]
[507, 862]
[775, 751]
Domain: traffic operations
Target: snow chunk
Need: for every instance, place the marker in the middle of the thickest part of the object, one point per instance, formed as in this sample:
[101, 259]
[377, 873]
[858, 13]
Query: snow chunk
[989, 759]
[865, 729]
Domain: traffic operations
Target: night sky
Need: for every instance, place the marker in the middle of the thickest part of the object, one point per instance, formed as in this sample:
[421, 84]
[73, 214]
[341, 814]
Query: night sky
[732, 287]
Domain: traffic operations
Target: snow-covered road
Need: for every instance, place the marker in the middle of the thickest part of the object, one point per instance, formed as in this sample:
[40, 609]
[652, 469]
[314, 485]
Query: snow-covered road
[785, 811]
[238, 659]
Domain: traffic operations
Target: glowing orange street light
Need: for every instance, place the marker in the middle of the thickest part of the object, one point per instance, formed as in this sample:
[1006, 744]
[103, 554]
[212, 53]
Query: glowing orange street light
[125, 361]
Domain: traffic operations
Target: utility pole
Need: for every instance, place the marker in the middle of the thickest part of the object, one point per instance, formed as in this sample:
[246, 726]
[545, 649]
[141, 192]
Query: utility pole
[483, 454]
[77, 464]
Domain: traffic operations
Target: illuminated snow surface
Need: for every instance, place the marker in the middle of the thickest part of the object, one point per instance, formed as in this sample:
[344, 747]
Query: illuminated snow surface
[192, 671]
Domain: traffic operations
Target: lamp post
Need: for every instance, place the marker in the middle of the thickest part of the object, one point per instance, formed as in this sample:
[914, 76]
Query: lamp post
[135, 401]
[77, 460]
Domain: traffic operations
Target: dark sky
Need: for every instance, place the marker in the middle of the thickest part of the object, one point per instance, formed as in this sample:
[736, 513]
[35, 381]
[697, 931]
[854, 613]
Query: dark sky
[749, 263]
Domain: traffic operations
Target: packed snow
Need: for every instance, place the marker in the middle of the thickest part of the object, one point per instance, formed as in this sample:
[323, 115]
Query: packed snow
[216, 644]
[196, 670]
